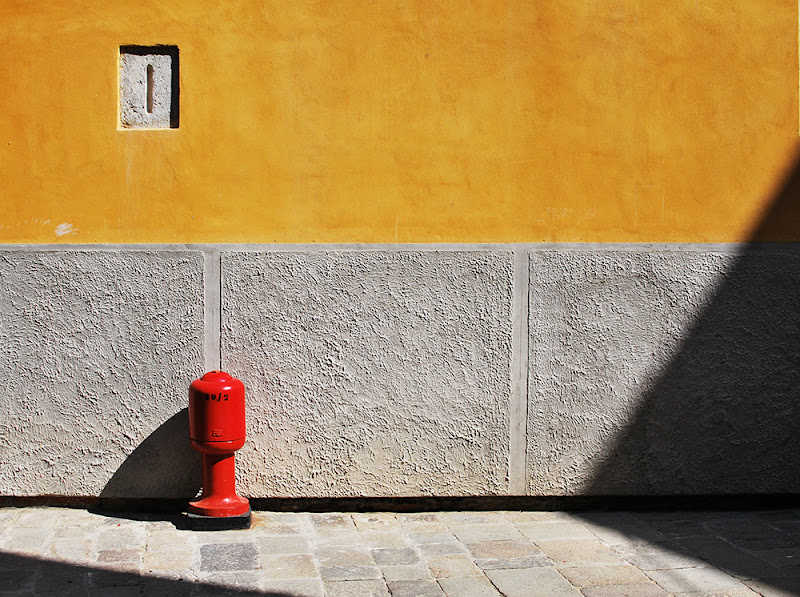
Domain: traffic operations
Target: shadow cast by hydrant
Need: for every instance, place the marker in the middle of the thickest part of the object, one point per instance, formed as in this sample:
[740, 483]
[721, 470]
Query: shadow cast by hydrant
[164, 467]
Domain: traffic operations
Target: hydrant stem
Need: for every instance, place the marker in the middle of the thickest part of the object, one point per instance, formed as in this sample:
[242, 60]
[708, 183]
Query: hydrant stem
[219, 473]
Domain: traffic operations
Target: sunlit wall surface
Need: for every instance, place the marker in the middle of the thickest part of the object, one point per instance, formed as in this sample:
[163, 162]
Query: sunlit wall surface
[382, 122]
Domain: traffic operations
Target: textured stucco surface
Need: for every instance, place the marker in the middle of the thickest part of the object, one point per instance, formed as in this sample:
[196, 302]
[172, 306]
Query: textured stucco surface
[97, 349]
[374, 373]
[663, 372]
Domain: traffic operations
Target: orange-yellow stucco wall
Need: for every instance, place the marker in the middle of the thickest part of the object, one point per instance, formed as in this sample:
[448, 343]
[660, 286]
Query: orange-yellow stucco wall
[402, 121]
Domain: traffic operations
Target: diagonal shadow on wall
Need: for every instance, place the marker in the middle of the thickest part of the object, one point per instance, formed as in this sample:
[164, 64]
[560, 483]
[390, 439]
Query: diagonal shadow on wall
[722, 416]
[164, 465]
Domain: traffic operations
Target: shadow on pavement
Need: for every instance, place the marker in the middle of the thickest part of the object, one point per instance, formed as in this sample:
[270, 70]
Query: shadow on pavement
[23, 575]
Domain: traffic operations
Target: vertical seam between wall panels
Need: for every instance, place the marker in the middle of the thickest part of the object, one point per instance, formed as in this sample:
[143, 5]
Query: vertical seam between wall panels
[212, 295]
[518, 416]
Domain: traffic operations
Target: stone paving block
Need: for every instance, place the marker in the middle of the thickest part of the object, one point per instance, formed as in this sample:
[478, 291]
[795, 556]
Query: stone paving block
[406, 572]
[468, 587]
[442, 549]
[694, 579]
[782, 556]
[590, 576]
[288, 566]
[10, 515]
[14, 579]
[334, 522]
[664, 560]
[120, 555]
[110, 578]
[209, 537]
[637, 590]
[283, 544]
[278, 529]
[452, 565]
[725, 556]
[503, 549]
[532, 582]
[742, 529]
[516, 516]
[218, 557]
[678, 529]
[123, 567]
[421, 522]
[62, 581]
[342, 539]
[169, 588]
[242, 580]
[437, 536]
[465, 518]
[723, 593]
[619, 533]
[123, 591]
[385, 539]
[583, 553]
[39, 518]
[349, 572]
[513, 563]
[778, 540]
[395, 556]
[486, 532]
[305, 587]
[275, 517]
[168, 560]
[168, 541]
[775, 588]
[778, 515]
[556, 530]
[375, 521]
[120, 538]
[356, 588]
[72, 550]
[415, 588]
[27, 540]
[343, 556]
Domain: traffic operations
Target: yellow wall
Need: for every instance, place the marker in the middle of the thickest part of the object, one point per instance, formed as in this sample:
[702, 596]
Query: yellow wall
[384, 121]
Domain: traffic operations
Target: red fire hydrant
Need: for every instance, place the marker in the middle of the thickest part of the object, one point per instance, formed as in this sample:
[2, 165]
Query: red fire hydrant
[217, 430]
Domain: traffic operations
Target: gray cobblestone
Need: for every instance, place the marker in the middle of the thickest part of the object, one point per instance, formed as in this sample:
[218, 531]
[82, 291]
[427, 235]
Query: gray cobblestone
[462, 554]
[415, 588]
[532, 582]
[395, 556]
[217, 557]
[357, 588]
[468, 587]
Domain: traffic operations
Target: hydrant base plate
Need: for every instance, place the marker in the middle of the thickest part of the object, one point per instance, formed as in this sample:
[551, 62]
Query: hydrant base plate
[198, 522]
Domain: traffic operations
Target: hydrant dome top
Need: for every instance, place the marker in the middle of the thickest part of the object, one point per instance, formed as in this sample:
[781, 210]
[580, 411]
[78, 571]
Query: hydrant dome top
[217, 376]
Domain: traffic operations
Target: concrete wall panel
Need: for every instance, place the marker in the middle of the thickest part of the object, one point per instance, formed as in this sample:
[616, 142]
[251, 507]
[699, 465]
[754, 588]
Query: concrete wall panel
[664, 372]
[379, 373]
[97, 349]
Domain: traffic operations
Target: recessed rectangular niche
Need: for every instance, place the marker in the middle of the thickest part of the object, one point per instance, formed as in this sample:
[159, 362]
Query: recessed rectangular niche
[148, 87]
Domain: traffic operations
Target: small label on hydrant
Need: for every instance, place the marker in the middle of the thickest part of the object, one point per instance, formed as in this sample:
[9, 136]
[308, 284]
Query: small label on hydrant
[216, 433]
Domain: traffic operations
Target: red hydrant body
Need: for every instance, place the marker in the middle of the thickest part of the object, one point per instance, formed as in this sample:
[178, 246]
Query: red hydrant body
[217, 430]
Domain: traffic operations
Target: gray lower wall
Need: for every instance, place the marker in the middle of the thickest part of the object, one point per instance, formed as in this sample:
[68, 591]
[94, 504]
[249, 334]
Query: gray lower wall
[405, 370]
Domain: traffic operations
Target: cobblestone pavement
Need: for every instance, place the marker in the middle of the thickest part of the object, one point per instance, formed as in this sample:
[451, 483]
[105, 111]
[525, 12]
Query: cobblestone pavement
[55, 551]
